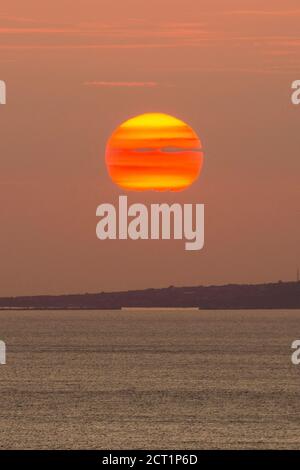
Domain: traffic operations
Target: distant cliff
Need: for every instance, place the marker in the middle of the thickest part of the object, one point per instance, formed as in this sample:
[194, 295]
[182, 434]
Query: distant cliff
[282, 295]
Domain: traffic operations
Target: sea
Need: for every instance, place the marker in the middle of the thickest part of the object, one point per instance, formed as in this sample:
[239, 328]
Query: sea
[149, 379]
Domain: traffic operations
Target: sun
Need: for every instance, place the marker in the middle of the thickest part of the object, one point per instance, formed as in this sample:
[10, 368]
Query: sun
[154, 151]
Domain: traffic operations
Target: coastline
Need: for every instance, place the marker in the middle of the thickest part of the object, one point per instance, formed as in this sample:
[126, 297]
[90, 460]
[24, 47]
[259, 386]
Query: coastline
[280, 295]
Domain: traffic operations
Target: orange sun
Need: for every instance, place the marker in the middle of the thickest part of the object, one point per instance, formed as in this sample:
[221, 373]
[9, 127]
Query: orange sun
[154, 151]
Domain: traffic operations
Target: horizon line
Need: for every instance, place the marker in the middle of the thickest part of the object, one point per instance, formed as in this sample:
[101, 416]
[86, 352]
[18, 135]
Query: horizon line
[152, 288]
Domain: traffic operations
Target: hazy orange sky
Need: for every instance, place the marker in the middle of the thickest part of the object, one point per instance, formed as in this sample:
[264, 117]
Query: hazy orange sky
[75, 70]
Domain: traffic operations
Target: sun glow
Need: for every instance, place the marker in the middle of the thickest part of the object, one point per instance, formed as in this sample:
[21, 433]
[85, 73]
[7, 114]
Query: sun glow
[154, 151]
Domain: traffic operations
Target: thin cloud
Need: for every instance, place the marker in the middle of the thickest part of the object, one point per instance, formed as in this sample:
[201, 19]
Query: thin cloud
[122, 84]
[94, 46]
[17, 30]
[17, 19]
[21, 34]
[263, 12]
[126, 34]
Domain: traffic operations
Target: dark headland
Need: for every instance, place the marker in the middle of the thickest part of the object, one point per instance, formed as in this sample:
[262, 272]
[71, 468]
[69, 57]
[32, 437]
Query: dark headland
[281, 295]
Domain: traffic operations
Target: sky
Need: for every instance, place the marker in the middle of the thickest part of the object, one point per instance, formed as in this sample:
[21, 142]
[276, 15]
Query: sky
[75, 70]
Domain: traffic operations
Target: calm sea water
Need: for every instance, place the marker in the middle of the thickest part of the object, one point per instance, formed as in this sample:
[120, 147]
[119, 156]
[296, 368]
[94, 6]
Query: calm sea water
[159, 379]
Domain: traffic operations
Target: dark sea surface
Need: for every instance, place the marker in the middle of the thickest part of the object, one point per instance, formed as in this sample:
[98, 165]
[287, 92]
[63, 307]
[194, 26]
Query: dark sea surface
[149, 380]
